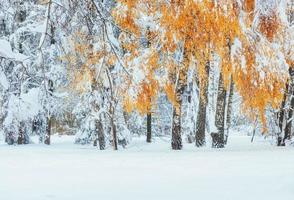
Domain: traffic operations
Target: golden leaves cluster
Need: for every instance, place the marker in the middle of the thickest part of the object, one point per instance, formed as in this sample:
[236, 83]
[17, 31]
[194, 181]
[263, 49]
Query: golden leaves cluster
[85, 60]
[203, 28]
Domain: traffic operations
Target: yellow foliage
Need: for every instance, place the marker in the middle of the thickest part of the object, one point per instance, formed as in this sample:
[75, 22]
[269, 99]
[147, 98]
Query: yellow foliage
[171, 95]
[249, 6]
[145, 98]
[85, 61]
[269, 25]
[202, 28]
[128, 104]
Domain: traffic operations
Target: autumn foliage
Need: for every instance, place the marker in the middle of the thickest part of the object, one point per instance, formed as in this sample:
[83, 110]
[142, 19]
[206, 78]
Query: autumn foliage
[203, 29]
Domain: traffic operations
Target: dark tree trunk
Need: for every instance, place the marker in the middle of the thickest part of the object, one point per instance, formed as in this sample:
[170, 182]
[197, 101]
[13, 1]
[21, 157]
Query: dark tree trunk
[113, 127]
[48, 132]
[52, 30]
[2, 27]
[282, 119]
[49, 119]
[114, 135]
[10, 139]
[229, 109]
[288, 128]
[190, 135]
[201, 116]
[219, 141]
[281, 114]
[176, 129]
[99, 135]
[149, 120]
[21, 135]
[149, 115]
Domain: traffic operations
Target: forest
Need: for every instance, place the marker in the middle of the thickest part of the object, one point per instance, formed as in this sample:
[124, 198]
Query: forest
[106, 71]
[146, 99]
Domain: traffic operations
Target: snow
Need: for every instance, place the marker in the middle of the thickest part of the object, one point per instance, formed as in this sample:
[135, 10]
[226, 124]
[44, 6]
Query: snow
[24, 107]
[64, 171]
[6, 52]
[3, 81]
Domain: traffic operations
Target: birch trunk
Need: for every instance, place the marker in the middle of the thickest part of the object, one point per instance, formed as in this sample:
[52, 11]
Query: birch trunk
[177, 110]
[288, 128]
[218, 139]
[201, 116]
[176, 121]
[229, 109]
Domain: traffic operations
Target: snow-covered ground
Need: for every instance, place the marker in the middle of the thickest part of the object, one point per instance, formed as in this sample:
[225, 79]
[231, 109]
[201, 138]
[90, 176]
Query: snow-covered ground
[64, 171]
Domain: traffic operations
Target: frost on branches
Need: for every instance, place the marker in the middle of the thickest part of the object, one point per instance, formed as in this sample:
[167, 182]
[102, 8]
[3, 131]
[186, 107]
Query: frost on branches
[109, 71]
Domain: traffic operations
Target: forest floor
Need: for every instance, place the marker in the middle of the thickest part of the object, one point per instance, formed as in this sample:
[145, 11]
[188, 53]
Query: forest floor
[65, 171]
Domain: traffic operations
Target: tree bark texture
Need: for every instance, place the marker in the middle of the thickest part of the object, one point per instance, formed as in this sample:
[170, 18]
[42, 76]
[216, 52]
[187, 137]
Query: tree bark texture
[201, 116]
[219, 141]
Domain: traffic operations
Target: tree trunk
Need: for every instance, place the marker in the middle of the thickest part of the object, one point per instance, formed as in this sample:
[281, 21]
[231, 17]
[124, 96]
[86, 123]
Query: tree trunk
[99, 131]
[181, 81]
[99, 135]
[288, 128]
[48, 125]
[126, 119]
[149, 120]
[113, 127]
[219, 141]
[114, 135]
[282, 119]
[149, 115]
[201, 116]
[48, 132]
[112, 111]
[21, 136]
[229, 109]
[176, 129]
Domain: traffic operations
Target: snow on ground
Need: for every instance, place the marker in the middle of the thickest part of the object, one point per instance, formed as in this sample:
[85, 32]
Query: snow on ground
[64, 171]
